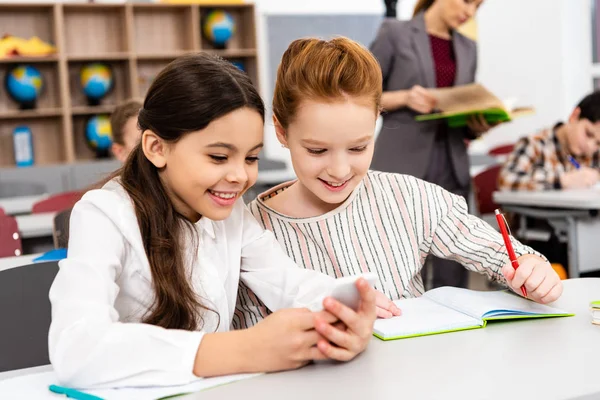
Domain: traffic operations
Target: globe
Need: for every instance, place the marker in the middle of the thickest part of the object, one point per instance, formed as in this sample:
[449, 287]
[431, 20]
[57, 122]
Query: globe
[96, 81]
[218, 27]
[24, 84]
[98, 134]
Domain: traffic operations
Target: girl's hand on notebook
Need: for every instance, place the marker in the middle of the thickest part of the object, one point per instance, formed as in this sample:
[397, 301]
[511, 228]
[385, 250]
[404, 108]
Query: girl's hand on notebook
[344, 343]
[385, 307]
[541, 281]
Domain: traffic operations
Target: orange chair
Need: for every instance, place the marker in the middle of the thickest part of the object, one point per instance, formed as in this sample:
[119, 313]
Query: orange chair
[484, 185]
[503, 150]
[57, 202]
[10, 239]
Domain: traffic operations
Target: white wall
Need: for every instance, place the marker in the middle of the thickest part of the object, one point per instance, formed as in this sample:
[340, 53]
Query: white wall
[536, 50]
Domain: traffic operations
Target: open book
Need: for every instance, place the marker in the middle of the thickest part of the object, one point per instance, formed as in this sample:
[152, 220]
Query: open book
[450, 309]
[459, 103]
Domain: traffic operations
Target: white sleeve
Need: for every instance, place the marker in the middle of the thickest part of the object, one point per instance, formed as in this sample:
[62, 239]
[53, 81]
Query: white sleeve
[88, 346]
[273, 276]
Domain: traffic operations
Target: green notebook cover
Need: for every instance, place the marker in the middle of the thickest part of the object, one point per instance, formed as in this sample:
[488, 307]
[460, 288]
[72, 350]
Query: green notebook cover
[459, 119]
[449, 309]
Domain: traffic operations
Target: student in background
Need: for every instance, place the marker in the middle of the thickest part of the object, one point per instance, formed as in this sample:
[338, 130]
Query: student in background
[566, 156]
[415, 56]
[147, 293]
[340, 218]
[125, 131]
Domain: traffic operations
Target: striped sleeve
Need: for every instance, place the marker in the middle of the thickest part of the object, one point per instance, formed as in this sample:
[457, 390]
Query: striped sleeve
[249, 310]
[527, 168]
[466, 239]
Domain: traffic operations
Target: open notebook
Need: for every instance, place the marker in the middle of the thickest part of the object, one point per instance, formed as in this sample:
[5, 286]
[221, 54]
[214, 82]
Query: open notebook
[458, 103]
[449, 309]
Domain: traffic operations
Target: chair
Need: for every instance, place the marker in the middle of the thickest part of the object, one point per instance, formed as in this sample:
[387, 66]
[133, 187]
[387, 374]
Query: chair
[60, 230]
[10, 239]
[484, 185]
[57, 202]
[502, 150]
[26, 315]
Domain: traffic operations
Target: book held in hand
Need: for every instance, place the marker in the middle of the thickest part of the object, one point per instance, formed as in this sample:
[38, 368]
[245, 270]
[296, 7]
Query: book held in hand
[459, 103]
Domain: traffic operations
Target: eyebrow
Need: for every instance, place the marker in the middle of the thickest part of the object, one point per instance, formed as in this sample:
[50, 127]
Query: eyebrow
[231, 147]
[317, 143]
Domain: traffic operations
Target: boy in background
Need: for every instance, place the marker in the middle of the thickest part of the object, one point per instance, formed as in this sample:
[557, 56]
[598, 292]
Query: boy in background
[125, 132]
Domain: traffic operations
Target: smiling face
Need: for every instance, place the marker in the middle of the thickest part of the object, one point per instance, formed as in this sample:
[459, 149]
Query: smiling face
[207, 171]
[331, 146]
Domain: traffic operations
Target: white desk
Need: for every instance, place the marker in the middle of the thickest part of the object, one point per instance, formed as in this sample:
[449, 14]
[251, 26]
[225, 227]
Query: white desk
[35, 225]
[528, 359]
[572, 213]
[13, 262]
[553, 358]
[21, 204]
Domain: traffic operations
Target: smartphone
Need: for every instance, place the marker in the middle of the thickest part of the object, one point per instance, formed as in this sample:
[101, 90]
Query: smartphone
[346, 292]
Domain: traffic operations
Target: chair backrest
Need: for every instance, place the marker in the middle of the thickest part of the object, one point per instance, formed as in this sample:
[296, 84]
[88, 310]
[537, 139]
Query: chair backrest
[501, 150]
[16, 189]
[57, 202]
[60, 231]
[26, 315]
[10, 239]
[484, 185]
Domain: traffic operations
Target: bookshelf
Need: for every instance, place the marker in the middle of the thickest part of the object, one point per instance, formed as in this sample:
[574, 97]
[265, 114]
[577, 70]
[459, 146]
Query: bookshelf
[136, 40]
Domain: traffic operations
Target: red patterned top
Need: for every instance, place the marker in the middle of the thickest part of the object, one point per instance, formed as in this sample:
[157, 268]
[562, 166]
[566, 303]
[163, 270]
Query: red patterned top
[444, 61]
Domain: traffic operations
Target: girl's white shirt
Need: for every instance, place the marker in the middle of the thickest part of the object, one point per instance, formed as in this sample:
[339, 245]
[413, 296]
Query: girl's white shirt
[104, 289]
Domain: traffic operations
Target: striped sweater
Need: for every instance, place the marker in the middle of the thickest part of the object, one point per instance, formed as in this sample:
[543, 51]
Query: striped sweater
[388, 225]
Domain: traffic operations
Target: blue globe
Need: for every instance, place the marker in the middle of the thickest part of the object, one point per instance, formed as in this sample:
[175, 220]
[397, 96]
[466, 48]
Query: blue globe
[96, 80]
[218, 27]
[98, 134]
[24, 84]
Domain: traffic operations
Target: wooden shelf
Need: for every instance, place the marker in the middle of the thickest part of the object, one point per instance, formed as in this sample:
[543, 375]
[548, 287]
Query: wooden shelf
[121, 56]
[232, 53]
[90, 110]
[36, 113]
[137, 40]
[28, 60]
[162, 56]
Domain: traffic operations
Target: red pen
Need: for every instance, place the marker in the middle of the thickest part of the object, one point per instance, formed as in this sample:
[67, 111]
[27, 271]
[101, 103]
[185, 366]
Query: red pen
[511, 253]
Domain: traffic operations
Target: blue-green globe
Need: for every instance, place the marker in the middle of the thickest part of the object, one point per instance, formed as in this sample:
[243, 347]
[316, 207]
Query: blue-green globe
[24, 84]
[218, 27]
[98, 134]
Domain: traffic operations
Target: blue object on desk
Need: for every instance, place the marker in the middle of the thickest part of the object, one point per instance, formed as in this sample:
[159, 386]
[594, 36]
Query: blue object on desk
[52, 255]
[574, 162]
[73, 393]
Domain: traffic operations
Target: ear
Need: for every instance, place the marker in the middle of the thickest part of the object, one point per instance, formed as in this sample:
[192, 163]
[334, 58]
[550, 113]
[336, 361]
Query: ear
[280, 131]
[154, 149]
[574, 117]
[117, 151]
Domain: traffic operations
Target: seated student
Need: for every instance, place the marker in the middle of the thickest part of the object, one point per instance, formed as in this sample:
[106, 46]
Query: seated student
[339, 218]
[147, 292]
[542, 161]
[125, 131]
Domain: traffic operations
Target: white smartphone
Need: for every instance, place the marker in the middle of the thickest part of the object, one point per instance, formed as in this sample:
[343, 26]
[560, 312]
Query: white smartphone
[345, 290]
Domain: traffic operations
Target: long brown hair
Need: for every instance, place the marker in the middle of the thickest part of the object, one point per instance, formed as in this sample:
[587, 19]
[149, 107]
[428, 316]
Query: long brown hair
[186, 96]
[422, 5]
[326, 70]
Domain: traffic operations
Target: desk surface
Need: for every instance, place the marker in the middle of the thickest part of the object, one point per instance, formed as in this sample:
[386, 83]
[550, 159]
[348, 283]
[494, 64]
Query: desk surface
[571, 199]
[527, 359]
[20, 204]
[553, 358]
[35, 225]
[13, 262]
